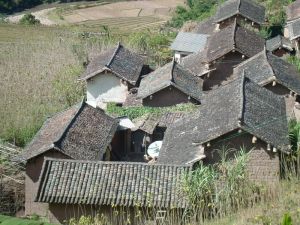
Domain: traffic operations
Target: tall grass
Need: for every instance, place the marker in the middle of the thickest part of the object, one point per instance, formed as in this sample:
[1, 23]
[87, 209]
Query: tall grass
[39, 67]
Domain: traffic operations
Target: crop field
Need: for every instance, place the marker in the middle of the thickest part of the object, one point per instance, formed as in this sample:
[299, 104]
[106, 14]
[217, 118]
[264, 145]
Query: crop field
[126, 24]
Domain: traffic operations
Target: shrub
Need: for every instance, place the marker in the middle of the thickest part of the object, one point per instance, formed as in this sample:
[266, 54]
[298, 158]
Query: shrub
[195, 10]
[29, 19]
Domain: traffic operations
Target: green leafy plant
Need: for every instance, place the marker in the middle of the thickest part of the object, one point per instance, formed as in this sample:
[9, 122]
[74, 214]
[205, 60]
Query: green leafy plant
[29, 19]
[287, 219]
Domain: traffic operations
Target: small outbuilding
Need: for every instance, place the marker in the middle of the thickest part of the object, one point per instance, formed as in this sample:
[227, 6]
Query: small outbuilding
[111, 75]
[275, 74]
[280, 46]
[240, 114]
[245, 11]
[170, 85]
[122, 192]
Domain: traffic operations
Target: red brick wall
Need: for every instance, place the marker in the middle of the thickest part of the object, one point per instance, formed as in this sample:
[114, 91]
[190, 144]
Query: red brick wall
[62, 213]
[263, 165]
[33, 170]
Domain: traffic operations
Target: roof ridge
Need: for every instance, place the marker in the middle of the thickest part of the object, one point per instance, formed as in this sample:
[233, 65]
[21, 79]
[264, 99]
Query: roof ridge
[267, 57]
[242, 90]
[235, 24]
[47, 159]
[172, 70]
[68, 125]
[239, 5]
[114, 54]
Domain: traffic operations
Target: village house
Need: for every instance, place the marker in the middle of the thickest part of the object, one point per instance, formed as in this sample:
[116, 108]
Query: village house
[187, 43]
[170, 85]
[80, 132]
[280, 46]
[226, 49]
[275, 74]
[247, 12]
[240, 114]
[111, 75]
[120, 191]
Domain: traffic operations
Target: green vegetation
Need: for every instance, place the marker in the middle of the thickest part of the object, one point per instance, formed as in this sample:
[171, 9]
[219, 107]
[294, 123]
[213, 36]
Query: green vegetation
[195, 10]
[136, 112]
[29, 19]
[7, 220]
[295, 61]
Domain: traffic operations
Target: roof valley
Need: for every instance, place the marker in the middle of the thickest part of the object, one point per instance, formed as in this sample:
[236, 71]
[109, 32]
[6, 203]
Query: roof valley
[114, 55]
[57, 143]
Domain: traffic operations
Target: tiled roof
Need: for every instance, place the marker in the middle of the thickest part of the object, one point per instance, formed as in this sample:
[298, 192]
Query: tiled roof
[279, 42]
[205, 27]
[169, 118]
[196, 63]
[293, 10]
[241, 104]
[122, 62]
[172, 74]
[265, 68]
[294, 29]
[111, 183]
[246, 8]
[189, 42]
[81, 132]
[234, 37]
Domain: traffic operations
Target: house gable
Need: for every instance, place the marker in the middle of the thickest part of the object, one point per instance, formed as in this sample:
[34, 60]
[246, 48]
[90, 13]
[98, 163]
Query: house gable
[106, 87]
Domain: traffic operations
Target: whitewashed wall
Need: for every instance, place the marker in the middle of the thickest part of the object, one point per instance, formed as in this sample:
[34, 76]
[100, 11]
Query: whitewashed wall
[105, 88]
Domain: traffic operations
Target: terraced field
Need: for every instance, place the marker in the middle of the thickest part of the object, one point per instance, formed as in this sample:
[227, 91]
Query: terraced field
[124, 24]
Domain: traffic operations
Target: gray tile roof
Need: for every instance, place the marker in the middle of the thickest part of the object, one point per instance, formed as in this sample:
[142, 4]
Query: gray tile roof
[265, 68]
[241, 104]
[234, 37]
[294, 29]
[246, 8]
[172, 74]
[122, 62]
[293, 10]
[81, 132]
[111, 183]
[196, 63]
[189, 42]
[279, 42]
[205, 27]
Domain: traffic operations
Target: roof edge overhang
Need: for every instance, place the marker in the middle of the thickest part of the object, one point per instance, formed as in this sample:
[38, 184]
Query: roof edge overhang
[282, 148]
[244, 130]
[142, 96]
[91, 75]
